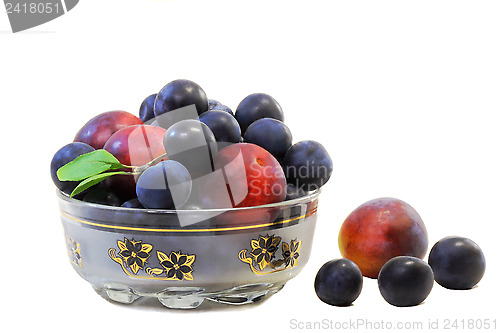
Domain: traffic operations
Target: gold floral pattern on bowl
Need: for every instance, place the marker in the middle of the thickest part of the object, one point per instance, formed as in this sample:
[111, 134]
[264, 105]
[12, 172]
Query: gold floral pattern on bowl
[134, 254]
[264, 251]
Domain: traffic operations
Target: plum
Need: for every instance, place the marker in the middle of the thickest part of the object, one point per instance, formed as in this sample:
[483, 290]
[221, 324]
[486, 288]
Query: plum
[307, 165]
[166, 185]
[146, 110]
[457, 262]
[100, 128]
[379, 230]
[405, 281]
[224, 127]
[271, 134]
[178, 94]
[133, 146]
[63, 156]
[254, 176]
[191, 143]
[245, 175]
[257, 106]
[338, 282]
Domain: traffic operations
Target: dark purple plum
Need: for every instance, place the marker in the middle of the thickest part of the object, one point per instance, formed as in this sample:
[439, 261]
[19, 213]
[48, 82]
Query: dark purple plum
[257, 106]
[178, 94]
[224, 127]
[63, 156]
[271, 134]
[457, 262]
[102, 196]
[166, 185]
[146, 110]
[193, 144]
[307, 165]
[338, 282]
[132, 203]
[405, 281]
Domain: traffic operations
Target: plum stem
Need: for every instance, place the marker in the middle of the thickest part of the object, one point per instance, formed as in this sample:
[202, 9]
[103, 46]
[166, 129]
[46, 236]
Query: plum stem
[140, 169]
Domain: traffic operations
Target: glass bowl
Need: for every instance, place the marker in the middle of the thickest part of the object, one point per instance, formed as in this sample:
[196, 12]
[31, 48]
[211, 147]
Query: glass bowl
[183, 257]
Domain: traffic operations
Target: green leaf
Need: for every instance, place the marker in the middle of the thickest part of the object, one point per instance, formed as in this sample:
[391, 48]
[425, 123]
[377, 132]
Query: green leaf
[93, 180]
[88, 165]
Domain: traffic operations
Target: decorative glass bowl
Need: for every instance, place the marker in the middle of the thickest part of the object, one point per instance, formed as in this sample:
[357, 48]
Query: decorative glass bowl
[183, 257]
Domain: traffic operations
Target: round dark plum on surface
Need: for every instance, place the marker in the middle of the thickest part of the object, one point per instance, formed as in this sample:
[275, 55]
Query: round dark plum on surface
[457, 262]
[405, 281]
[338, 282]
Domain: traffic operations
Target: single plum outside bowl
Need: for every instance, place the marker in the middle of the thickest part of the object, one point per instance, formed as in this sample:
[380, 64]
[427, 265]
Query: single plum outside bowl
[183, 257]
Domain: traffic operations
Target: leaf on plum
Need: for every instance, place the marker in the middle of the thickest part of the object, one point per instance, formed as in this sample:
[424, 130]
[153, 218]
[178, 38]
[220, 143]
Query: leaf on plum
[93, 180]
[88, 165]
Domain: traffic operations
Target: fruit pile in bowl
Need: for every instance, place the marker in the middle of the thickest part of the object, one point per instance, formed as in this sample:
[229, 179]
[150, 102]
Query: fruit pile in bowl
[190, 201]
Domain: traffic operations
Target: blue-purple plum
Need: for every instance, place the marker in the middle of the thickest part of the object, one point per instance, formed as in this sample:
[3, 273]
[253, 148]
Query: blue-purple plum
[191, 143]
[338, 282]
[224, 127]
[257, 106]
[63, 156]
[166, 185]
[457, 262]
[307, 165]
[405, 281]
[178, 94]
[271, 134]
[146, 110]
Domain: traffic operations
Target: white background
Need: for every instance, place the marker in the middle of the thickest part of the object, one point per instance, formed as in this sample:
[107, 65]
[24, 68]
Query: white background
[403, 94]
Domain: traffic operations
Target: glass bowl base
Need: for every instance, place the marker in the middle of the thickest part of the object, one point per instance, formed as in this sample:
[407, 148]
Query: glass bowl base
[192, 297]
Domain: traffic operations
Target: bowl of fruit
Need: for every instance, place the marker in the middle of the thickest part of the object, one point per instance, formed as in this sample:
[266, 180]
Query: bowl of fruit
[189, 201]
